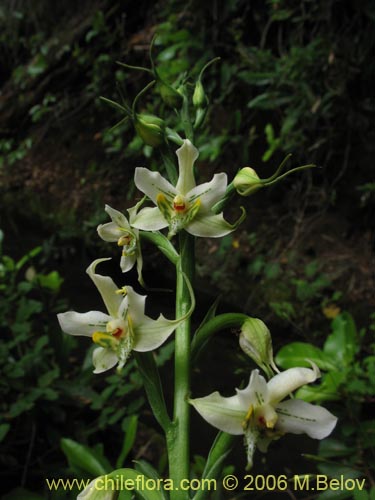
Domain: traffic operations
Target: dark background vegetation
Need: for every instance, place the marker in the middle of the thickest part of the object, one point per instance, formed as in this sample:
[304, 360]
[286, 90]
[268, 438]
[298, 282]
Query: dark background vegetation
[294, 77]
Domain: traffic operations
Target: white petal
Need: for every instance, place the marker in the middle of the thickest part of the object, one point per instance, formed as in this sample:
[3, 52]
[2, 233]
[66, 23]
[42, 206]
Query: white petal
[209, 226]
[149, 219]
[151, 333]
[127, 262]
[226, 414]
[109, 231]
[83, 323]
[187, 154]
[117, 217]
[152, 184]
[103, 359]
[136, 304]
[286, 382]
[106, 288]
[297, 416]
[209, 192]
[256, 392]
[95, 492]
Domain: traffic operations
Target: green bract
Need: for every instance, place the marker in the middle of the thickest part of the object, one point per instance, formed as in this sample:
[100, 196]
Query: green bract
[259, 413]
[186, 205]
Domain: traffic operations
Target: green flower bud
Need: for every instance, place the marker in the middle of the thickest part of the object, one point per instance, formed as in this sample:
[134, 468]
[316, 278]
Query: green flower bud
[150, 128]
[199, 97]
[247, 181]
[256, 342]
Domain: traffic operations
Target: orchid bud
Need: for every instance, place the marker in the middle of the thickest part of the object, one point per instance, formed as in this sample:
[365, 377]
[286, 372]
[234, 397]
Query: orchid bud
[256, 342]
[247, 181]
[150, 128]
[199, 96]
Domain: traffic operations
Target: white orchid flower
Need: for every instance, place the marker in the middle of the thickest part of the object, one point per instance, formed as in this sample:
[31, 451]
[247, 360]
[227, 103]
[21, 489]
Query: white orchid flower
[120, 230]
[259, 413]
[123, 329]
[186, 205]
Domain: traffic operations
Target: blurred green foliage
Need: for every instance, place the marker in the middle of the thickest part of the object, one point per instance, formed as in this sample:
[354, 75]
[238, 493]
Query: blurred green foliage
[347, 359]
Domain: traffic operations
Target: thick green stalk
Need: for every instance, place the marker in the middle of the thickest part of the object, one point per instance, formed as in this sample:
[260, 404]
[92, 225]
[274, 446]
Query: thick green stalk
[178, 437]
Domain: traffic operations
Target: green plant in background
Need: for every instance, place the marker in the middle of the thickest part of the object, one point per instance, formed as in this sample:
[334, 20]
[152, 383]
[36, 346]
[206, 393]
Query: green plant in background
[11, 152]
[30, 349]
[348, 360]
[37, 400]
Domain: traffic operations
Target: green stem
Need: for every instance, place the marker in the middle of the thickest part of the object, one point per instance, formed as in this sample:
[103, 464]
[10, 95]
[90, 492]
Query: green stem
[178, 437]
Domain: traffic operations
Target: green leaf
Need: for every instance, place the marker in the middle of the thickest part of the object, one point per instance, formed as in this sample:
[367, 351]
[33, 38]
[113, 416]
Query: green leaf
[330, 448]
[4, 428]
[219, 451]
[299, 354]
[33, 253]
[47, 378]
[51, 281]
[327, 390]
[335, 495]
[129, 426]
[341, 345]
[151, 379]
[82, 457]
[149, 471]
[268, 100]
